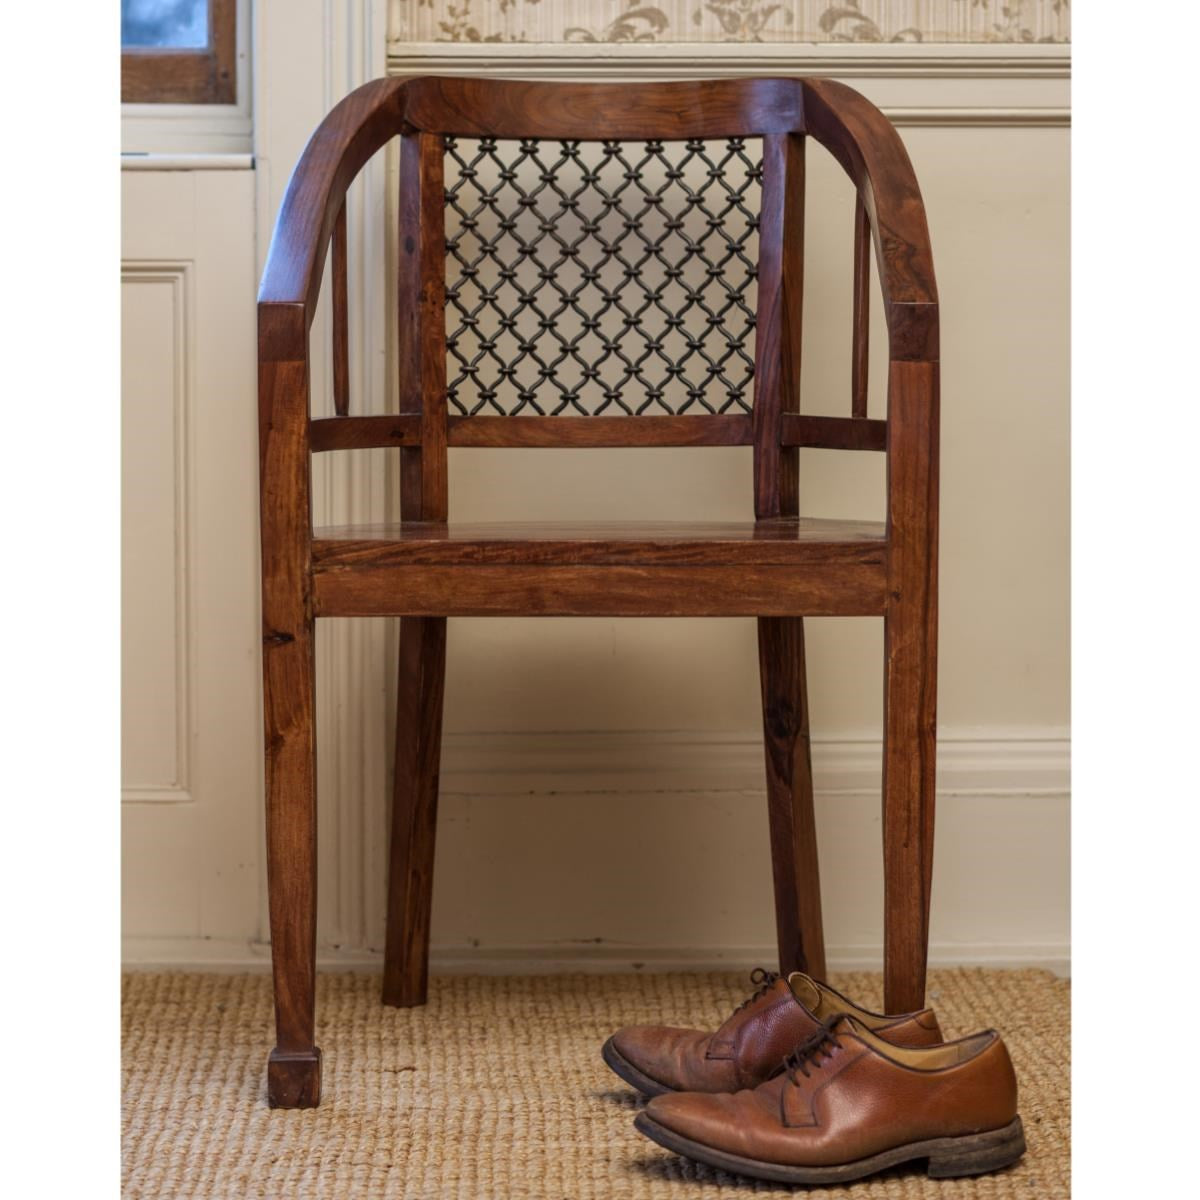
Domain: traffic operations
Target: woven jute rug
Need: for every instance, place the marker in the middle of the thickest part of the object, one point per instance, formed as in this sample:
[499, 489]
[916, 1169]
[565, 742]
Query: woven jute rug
[496, 1089]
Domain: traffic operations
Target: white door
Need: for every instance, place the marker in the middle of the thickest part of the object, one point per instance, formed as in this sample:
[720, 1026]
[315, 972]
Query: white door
[191, 765]
[197, 214]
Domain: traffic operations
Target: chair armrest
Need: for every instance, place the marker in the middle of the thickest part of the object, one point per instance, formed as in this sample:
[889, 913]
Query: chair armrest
[353, 131]
[867, 145]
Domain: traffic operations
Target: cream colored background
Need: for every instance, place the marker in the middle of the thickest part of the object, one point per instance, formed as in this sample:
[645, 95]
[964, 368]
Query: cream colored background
[602, 780]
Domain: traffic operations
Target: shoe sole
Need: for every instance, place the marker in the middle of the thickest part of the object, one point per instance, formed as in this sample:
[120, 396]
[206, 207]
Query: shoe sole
[630, 1074]
[948, 1158]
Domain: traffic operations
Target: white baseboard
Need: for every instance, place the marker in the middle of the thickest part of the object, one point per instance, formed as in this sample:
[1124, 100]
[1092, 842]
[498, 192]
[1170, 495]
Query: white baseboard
[1025, 763]
[995, 792]
[211, 955]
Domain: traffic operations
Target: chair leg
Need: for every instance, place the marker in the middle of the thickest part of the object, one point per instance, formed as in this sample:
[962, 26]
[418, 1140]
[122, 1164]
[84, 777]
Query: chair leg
[909, 758]
[294, 1067]
[790, 795]
[414, 809]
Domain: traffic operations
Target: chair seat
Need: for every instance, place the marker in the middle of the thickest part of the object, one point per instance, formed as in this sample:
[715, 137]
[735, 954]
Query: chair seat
[778, 541]
[779, 566]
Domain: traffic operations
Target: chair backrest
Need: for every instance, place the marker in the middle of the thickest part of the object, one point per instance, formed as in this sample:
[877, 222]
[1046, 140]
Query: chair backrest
[601, 278]
[604, 265]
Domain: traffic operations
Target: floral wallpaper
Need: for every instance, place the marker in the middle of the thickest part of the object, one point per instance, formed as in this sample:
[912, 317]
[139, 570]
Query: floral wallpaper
[730, 20]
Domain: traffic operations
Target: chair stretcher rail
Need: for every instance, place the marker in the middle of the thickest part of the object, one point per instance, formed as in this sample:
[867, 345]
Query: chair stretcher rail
[404, 429]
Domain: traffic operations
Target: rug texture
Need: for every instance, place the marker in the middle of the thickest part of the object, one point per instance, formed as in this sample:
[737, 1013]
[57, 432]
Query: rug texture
[496, 1089]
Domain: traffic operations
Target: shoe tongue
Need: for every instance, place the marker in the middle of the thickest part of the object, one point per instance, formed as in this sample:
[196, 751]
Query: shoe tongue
[771, 995]
[751, 1009]
[845, 1023]
[805, 991]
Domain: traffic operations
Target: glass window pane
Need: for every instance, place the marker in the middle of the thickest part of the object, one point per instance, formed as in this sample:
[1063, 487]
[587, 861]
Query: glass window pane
[178, 24]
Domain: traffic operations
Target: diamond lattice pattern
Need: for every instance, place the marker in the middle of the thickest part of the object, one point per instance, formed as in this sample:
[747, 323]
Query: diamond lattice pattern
[601, 278]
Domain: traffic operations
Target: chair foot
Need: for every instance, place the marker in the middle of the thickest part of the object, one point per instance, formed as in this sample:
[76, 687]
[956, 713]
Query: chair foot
[294, 1079]
[404, 993]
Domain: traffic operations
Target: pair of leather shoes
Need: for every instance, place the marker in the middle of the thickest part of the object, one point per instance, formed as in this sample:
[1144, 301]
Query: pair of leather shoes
[802, 1085]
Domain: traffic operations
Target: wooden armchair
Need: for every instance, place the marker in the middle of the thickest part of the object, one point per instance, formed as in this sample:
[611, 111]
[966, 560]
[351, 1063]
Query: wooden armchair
[600, 286]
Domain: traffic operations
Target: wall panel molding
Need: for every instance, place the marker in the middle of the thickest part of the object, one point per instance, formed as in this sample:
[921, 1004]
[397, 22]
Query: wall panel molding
[177, 277]
[915, 84]
[144, 160]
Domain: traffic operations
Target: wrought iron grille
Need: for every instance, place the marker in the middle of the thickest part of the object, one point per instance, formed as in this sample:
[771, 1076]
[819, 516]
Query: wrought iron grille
[601, 278]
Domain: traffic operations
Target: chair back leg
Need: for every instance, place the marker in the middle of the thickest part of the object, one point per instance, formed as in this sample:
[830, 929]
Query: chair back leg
[414, 809]
[790, 795]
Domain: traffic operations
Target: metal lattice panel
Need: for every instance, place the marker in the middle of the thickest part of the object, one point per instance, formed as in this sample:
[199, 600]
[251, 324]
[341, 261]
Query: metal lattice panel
[601, 278]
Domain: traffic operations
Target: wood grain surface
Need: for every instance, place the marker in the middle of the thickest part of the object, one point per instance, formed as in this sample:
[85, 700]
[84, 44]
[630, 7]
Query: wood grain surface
[777, 567]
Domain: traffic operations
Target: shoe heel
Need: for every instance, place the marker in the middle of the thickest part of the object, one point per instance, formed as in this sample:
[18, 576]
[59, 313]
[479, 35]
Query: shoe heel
[977, 1153]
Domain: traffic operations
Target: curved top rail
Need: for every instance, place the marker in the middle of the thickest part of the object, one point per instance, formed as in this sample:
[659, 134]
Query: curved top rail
[353, 131]
[852, 128]
[867, 145]
[698, 108]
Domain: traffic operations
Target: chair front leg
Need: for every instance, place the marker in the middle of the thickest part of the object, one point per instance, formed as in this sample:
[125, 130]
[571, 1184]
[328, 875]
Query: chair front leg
[289, 678]
[910, 681]
[294, 1067]
[909, 752]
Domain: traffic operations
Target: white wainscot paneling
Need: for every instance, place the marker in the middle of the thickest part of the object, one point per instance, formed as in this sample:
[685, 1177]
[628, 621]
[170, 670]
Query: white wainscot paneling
[601, 849]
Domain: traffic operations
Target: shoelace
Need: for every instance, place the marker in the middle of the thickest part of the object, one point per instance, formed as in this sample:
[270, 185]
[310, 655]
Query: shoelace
[761, 978]
[813, 1049]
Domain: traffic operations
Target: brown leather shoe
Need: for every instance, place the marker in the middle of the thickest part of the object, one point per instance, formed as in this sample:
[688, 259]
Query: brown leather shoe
[751, 1044]
[848, 1104]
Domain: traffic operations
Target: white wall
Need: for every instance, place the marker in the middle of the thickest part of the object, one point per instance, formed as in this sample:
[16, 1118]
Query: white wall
[602, 780]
